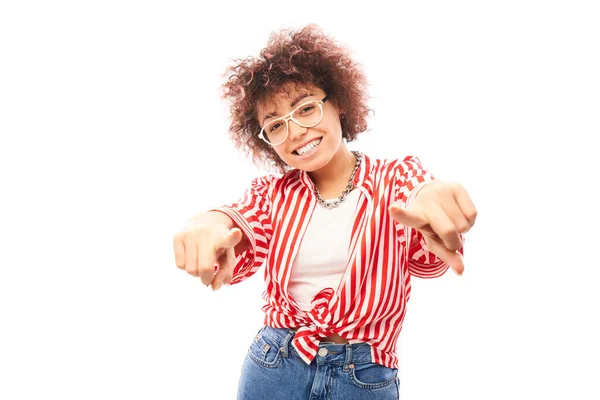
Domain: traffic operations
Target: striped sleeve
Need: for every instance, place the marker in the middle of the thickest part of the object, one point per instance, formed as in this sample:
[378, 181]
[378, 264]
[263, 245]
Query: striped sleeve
[423, 263]
[411, 178]
[252, 214]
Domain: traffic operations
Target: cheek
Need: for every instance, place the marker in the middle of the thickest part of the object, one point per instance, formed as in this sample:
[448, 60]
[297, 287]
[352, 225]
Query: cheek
[281, 152]
[333, 132]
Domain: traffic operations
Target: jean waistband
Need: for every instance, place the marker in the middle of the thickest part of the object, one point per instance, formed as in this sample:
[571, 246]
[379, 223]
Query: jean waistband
[328, 353]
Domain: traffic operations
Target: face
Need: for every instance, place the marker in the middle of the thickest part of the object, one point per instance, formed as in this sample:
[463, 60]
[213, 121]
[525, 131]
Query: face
[327, 133]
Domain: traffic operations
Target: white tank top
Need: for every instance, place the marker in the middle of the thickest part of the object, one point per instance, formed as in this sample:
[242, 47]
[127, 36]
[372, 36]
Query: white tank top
[323, 253]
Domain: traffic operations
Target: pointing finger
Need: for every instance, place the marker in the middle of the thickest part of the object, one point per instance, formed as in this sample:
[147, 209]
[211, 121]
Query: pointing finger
[444, 227]
[206, 264]
[207, 257]
[452, 258]
[225, 271]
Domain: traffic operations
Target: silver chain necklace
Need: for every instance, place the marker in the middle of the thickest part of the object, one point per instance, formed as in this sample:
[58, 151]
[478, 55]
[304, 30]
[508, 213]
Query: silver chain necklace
[349, 188]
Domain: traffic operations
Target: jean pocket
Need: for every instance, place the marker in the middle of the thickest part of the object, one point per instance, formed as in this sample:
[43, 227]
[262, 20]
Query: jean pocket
[264, 351]
[372, 375]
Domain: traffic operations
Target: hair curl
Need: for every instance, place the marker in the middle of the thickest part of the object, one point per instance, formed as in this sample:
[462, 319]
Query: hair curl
[306, 57]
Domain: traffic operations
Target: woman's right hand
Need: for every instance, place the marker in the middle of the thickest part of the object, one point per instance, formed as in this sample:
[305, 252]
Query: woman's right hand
[203, 244]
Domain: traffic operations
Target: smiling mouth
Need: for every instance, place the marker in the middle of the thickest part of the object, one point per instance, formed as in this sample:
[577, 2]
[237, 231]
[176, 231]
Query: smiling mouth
[311, 147]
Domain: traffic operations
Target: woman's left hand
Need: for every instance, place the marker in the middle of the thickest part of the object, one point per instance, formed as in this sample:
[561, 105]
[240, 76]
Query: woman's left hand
[441, 211]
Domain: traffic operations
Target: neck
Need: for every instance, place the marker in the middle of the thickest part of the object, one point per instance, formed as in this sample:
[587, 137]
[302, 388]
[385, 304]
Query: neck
[336, 172]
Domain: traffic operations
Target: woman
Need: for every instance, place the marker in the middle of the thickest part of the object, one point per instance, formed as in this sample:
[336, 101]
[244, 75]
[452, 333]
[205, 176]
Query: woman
[339, 233]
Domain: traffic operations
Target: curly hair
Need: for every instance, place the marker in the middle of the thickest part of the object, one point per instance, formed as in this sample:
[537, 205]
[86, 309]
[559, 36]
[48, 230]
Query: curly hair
[306, 57]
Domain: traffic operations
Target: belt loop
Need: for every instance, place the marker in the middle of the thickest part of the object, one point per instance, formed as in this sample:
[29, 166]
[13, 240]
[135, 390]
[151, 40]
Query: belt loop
[348, 360]
[286, 343]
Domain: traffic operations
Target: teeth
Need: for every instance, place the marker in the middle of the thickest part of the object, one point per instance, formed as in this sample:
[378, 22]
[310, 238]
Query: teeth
[308, 147]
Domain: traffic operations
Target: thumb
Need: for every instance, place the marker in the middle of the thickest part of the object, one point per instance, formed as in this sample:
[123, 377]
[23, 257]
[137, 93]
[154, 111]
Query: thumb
[229, 240]
[407, 217]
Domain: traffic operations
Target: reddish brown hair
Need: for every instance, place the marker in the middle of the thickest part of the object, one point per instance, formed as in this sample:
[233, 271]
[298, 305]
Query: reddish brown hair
[306, 57]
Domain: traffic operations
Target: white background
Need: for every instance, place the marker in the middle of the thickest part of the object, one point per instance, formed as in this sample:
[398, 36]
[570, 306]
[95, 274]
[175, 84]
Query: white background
[113, 134]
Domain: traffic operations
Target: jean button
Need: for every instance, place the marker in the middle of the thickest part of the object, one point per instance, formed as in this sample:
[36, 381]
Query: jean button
[323, 352]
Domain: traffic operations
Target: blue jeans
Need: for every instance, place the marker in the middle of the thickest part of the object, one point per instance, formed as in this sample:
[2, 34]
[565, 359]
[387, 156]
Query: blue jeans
[273, 370]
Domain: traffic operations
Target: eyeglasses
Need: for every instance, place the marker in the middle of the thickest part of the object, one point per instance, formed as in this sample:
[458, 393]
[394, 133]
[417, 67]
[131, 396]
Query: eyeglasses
[307, 115]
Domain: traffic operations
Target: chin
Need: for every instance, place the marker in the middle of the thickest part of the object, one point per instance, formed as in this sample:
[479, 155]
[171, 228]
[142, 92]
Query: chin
[312, 165]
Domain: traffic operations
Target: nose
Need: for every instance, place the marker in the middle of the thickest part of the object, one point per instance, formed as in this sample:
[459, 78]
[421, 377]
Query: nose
[296, 131]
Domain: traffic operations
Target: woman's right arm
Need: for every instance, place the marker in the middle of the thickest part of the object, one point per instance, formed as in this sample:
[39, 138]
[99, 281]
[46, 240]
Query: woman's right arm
[235, 237]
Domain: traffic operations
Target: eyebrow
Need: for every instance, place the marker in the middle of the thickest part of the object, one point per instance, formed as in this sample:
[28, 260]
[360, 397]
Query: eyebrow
[292, 105]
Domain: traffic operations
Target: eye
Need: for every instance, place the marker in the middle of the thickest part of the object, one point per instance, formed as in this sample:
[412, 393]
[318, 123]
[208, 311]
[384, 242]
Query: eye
[307, 109]
[275, 126]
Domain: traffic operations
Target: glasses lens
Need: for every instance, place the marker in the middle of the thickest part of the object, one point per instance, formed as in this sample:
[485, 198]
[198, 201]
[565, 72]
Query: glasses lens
[308, 114]
[275, 131]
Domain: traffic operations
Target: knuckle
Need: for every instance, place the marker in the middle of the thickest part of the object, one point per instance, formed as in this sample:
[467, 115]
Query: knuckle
[448, 232]
[194, 231]
[205, 280]
[190, 240]
[450, 245]
[190, 269]
[179, 258]
[456, 186]
[178, 238]
[191, 230]
[472, 216]
[464, 227]
[205, 269]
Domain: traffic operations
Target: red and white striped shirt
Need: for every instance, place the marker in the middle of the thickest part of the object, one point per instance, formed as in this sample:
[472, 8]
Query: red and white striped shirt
[369, 304]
